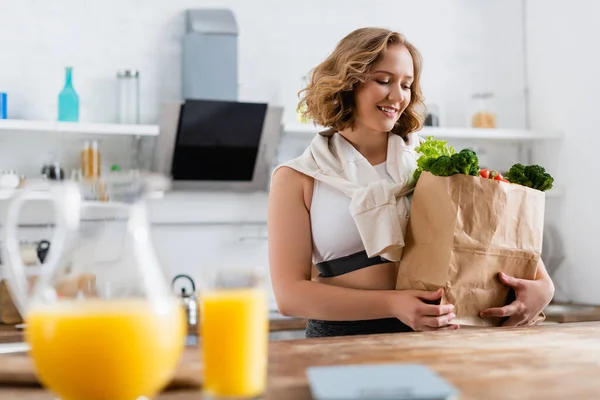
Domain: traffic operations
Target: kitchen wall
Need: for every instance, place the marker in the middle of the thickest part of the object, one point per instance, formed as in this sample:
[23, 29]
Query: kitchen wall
[563, 70]
[468, 46]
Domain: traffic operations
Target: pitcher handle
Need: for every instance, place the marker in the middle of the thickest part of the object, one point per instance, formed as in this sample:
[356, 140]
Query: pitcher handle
[67, 202]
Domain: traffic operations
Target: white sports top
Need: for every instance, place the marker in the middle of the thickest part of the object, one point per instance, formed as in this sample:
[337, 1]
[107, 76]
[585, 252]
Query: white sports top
[334, 231]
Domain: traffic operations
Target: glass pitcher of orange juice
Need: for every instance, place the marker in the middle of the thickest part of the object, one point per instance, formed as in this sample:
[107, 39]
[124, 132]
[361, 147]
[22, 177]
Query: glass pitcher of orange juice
[101, 319]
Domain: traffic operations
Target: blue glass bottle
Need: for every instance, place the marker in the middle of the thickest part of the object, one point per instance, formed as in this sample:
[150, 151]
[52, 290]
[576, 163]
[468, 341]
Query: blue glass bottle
[68, 100]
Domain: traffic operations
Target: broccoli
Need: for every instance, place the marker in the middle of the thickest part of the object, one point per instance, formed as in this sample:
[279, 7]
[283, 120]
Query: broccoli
[533, 176]
[466, 162]
[516, 175]
[441, 159]
[441, 166]
[426, 165]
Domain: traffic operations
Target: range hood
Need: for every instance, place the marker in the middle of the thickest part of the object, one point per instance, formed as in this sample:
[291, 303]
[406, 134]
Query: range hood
[217, 144]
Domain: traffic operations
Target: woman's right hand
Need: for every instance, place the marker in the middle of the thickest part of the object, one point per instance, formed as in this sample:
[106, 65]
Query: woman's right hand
[410, 307]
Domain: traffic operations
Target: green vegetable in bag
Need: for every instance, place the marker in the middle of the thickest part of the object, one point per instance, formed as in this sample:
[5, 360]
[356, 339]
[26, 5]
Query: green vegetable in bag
[430, 150]
[533, 176]
[441, 159]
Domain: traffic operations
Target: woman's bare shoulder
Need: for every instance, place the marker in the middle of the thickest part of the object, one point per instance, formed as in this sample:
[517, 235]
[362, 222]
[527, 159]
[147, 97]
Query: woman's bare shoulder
[290, 183]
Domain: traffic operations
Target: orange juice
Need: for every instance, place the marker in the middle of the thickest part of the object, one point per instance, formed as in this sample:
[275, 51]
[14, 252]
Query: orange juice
[106, 349]
[234, 332]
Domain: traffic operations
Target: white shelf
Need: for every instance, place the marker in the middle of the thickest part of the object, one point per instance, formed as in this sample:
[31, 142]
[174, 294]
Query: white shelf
[449, 133]
[82, 128]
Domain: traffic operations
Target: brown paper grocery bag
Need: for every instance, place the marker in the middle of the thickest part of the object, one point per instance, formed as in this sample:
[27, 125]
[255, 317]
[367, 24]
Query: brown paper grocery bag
[462, 231]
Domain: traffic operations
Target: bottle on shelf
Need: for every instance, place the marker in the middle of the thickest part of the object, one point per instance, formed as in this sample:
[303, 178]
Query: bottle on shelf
[90, 160]
[68, 99]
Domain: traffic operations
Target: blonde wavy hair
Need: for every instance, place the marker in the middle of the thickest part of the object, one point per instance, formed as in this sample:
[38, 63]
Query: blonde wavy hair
[329, 97]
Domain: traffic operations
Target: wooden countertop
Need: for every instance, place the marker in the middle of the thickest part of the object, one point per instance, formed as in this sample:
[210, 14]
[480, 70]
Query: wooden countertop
[8, 333]
[558, 361]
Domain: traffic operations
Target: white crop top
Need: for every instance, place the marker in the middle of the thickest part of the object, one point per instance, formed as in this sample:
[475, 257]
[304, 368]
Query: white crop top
[334, 231]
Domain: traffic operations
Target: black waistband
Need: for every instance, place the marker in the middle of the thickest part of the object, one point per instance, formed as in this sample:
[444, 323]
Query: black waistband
[343, 265]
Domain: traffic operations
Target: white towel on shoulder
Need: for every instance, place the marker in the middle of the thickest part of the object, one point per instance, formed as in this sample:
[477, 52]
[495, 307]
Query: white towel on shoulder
[379, 208]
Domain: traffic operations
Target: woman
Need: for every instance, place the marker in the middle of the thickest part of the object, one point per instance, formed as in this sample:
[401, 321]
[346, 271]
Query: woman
[367, 92]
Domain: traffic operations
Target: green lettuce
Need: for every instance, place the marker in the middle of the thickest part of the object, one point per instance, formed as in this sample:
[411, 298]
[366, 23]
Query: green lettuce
[430, 150]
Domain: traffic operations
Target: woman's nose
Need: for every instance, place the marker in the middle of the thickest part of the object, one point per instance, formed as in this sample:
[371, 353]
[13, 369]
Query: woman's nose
[396, 93]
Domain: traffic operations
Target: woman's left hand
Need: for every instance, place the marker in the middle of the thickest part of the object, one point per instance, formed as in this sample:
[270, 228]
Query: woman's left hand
[531, 298]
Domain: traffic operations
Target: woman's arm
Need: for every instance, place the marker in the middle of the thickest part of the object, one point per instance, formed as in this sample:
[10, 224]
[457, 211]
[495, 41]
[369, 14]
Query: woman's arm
[290, 259]
[532, 297]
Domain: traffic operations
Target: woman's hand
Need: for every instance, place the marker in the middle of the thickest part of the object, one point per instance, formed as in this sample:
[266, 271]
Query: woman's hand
[410, 307]
[532, 297]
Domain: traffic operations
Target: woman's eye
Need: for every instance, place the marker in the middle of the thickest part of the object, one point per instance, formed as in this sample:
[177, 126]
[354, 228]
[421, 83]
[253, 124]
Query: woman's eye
[406, 87]
[383, 82]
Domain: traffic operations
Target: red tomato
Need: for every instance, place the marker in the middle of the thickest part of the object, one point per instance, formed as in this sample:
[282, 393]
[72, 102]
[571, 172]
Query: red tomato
[484, 173]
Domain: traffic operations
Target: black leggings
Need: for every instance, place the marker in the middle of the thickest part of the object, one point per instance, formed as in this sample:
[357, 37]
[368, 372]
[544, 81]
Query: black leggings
[317, 328]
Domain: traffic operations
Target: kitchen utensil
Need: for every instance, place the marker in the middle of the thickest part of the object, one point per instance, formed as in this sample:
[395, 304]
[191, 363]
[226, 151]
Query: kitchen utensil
[101, 276]
[189, 300]
[53, 171]
[42, 250]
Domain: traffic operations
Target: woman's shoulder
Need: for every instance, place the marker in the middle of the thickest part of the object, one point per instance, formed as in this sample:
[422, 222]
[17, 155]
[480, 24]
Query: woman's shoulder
[287, 174]
[289, 183]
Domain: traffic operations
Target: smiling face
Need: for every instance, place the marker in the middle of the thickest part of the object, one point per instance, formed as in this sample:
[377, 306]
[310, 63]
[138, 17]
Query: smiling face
[387, 92]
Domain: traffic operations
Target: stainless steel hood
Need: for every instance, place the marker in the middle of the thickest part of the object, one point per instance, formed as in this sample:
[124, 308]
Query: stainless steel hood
[217, 144]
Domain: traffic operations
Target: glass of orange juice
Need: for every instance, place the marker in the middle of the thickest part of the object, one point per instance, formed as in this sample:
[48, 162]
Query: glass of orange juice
[234, 335]
[101, 319]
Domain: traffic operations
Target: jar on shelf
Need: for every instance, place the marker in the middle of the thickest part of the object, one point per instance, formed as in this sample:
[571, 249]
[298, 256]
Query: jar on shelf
[90, 160]
[483, 117]
[432, 115]
[129, 96]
